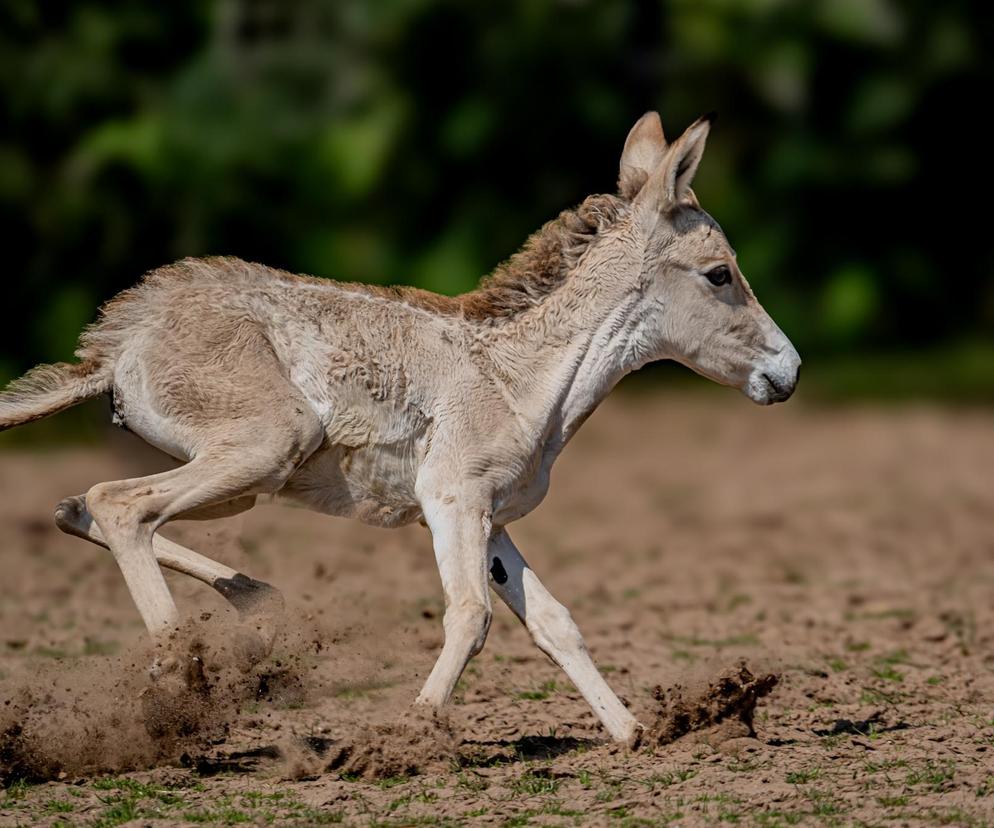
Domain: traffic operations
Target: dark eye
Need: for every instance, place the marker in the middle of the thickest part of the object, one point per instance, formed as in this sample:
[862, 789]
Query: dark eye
[719, 276]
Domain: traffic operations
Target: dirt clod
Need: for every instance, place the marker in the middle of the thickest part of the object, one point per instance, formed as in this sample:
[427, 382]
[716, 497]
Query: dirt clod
[721, 710]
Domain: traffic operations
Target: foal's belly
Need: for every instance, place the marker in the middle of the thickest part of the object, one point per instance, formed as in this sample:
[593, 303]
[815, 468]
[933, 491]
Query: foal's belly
[375, 484]
[372, 484]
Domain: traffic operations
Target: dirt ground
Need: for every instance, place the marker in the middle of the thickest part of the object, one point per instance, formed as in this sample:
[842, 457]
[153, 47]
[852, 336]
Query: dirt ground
[847, 550]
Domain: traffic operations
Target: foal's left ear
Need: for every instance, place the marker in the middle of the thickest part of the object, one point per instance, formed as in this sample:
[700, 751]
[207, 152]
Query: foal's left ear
[670, 183]
[644, 148]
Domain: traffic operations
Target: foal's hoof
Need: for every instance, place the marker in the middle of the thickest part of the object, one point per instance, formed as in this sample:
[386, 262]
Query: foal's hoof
[69, 515]
[249, 596]
[635, 738]
[261, 608]
[174, 703]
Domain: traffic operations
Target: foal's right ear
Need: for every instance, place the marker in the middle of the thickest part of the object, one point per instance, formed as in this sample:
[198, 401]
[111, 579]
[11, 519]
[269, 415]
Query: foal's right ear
[670, 183]
[644, 149]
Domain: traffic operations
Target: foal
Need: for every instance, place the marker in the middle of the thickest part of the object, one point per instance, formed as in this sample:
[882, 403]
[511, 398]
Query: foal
[394, 405]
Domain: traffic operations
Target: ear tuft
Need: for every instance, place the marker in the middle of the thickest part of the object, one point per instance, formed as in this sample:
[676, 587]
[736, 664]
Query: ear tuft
[644, 149]
[711, 117]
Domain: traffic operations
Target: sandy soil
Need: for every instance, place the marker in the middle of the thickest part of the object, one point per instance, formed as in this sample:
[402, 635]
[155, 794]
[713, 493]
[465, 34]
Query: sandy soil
[849, 552]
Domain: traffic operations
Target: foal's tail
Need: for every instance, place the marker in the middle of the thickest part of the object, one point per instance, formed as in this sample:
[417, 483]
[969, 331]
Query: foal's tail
[48, 389]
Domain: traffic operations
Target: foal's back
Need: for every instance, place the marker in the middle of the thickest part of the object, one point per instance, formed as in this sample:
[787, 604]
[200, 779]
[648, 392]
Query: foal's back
[203, 344]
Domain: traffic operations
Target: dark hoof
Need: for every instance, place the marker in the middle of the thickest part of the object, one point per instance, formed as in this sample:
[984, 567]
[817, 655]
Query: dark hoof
[69, 515]
[249, 596]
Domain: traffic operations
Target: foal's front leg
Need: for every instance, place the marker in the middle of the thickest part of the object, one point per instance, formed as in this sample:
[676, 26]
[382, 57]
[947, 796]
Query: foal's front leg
[553, 630]
[460, 529]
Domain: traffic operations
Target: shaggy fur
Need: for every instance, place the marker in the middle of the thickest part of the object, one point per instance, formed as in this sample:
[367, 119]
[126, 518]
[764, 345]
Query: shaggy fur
[545, 261]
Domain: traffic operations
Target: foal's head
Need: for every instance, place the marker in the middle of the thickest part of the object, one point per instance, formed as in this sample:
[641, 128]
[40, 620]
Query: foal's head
[698, 307]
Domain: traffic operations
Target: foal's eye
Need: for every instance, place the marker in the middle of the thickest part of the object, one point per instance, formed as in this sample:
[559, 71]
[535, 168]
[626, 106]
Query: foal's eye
[719, 276]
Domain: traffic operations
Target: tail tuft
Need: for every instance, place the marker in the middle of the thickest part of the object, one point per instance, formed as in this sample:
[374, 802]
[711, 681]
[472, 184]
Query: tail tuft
[48, 389]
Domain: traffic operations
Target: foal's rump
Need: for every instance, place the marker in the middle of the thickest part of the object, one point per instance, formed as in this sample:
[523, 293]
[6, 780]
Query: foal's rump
[186, 388]
[163, 307]
[187, 366]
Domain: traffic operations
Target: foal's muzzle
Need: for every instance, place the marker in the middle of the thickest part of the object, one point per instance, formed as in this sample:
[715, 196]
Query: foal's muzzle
[776, 379]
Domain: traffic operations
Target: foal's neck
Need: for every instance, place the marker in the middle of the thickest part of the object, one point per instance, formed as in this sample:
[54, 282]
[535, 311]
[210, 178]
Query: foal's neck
[560, 358]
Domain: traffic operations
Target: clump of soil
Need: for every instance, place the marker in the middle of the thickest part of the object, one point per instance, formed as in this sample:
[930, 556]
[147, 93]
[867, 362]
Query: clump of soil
[716, 710]
[419, 742]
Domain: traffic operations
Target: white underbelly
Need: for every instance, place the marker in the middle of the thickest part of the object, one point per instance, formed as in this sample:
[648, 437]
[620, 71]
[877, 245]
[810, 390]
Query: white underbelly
[374, 484]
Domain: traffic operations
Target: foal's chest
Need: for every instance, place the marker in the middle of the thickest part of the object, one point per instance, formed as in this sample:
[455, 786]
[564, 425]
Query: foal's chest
[527, 492]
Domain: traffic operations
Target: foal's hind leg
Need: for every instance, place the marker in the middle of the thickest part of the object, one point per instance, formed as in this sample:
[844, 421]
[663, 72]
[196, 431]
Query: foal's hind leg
[257, 457]
[214, 389]
[249, 596]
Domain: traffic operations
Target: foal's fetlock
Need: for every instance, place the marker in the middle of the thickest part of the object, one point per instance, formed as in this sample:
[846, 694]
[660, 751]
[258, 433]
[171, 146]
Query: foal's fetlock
[162, 666]
[180, 671]
[185, 672]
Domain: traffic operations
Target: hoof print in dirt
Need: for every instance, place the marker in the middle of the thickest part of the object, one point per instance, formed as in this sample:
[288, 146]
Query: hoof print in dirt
[715, 711]
[415, 744]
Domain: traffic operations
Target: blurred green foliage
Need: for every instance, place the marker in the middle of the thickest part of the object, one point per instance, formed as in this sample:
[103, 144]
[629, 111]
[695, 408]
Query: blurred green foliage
[422, 140]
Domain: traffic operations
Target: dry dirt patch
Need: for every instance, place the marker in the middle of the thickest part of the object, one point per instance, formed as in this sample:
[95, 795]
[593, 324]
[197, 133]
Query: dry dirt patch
[850, 552]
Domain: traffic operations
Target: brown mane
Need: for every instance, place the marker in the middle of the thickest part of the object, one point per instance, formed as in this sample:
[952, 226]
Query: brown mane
[531, 274]
[544, 262]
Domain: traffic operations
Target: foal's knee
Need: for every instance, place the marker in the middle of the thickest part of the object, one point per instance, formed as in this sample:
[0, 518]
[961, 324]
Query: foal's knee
[469, 622]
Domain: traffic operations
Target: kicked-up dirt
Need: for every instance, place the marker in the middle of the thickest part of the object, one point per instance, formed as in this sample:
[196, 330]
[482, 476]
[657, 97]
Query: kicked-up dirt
[797, 602]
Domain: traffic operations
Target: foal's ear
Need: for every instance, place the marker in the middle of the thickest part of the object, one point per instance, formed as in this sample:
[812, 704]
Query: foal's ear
[670, 183]
[644, 149]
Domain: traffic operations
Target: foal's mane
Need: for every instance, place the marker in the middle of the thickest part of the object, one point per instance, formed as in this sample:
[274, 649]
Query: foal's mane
[542, 264]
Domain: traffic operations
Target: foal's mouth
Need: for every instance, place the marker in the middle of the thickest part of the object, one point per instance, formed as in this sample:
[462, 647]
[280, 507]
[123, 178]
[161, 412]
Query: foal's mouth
[777, 392]
[766, 388]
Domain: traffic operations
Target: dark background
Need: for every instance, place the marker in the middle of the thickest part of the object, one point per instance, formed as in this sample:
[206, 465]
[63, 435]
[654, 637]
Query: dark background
[421, 141]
